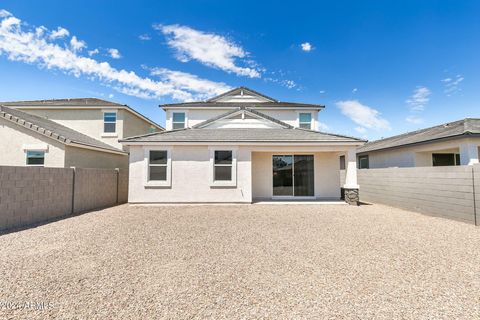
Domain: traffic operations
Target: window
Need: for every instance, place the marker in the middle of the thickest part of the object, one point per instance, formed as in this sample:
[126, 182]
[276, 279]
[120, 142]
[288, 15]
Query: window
[35, 158]
[178, 120]
[109, 122]
[445, 159]
[157, 165]
[305, 120]
[152, 130]
[363, 162]
[342, 162]
[223, 167]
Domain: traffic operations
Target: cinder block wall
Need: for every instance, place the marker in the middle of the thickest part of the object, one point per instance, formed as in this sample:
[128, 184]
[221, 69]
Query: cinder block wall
[30, 195]
[450, 192]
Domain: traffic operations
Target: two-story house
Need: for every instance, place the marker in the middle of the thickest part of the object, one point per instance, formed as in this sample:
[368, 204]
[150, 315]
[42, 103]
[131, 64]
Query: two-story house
[68, 132]
[240, 146]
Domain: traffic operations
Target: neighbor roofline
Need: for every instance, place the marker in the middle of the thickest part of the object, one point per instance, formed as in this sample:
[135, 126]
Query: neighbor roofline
[65, 106]
[245, 142]
[242, 88]
[452, 137]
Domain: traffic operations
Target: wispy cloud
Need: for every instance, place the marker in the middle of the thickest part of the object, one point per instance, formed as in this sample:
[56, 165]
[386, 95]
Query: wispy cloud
[361, 130]
[354, 90]
[452, 84]
[114, 53]
[419, 99]
[414, 119]
[289, 84]
[323, 91]
[210, 49]
[21, 42]
[93, 52]
[59, 33]
[363, 115]
[323, 126]
[144, 37]
[306, 46]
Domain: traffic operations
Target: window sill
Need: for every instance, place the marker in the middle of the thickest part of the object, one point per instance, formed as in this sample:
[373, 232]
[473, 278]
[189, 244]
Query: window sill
[223, 184]
[164, 184]
[109, 135]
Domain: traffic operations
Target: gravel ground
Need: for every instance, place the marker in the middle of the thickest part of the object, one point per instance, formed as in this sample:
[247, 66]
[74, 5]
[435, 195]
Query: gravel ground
[244, 261]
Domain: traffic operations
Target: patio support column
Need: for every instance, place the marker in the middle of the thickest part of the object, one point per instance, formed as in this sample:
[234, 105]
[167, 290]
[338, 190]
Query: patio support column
[351, 186]
[468, 153]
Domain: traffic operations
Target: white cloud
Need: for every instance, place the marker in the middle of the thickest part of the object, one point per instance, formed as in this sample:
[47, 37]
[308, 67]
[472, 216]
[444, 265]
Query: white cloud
[93, 52]
[414, 119]
[290, 84]
[323, 91]
[59, 33]
[76, 44]
[419, 98]
[208, 48]
[354, 90]
[19, 42]
[111, 95]
[114, 53]
[306, 46]
[452, 84]
[363, 115]
[361, 130]
[323, 126]
[144, 37]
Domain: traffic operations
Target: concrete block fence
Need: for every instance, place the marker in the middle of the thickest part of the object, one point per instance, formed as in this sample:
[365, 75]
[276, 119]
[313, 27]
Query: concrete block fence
[450, 192]
[34, 194]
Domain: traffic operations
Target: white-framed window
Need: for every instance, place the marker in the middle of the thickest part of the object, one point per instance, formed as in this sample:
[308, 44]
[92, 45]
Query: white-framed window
[158, 169]
[305, 120]
[363, 162]
[223, 167]
[110, 122]
[179, 120]
[35, 158]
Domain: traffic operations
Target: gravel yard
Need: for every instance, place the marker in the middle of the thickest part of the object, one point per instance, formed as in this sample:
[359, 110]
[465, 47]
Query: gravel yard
[243, 261]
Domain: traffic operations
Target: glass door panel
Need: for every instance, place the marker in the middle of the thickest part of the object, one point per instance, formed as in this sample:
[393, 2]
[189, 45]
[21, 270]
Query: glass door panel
[282, 175]
[303, 176]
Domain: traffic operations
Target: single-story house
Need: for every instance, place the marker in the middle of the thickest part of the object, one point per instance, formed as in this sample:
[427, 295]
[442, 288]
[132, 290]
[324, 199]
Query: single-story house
[241, 146]
[449, 144]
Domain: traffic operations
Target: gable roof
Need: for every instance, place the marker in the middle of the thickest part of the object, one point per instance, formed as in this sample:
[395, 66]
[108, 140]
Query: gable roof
[54, 130]
[256, 113]
[76, 103]
[269, 103]
[242, 90]
[456, 129]
[235, 135]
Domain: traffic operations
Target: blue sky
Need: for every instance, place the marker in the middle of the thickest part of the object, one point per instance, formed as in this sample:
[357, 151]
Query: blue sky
[380, 67]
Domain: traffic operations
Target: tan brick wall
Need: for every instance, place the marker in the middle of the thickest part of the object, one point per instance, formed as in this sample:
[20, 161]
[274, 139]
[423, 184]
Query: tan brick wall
[34, 194]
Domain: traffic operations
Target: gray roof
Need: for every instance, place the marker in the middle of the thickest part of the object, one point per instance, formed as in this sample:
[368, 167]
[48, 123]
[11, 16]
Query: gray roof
[273, 103]
[255, 112]
[64, 102]
[242, 135]
[52, 129]
[450, 130]
[76, 102]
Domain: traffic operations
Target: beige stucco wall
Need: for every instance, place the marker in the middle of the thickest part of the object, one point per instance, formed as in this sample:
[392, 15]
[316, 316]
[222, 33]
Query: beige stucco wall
[190, 178]
[326, 170]
[90, 122]
[85, 158]
[415, 156]
[13, 137]
[197, 116]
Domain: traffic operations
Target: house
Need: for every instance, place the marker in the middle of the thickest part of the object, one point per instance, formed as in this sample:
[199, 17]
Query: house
[449, 144]
[241, 146]
[68, 132]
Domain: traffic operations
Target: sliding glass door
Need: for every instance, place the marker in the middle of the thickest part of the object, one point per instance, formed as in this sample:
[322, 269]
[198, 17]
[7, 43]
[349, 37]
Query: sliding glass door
[293, 176]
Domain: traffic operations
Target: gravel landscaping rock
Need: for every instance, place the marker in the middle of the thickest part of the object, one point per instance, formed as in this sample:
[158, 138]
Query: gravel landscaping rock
[243, 262]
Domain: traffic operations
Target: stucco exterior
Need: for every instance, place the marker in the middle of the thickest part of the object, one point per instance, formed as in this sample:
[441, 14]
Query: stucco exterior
[85, 158]
[15, 138]
[418, 155]
[326, 170]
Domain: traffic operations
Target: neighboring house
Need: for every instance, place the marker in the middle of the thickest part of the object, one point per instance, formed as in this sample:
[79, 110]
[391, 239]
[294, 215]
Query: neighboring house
[29, 140]
[68, 132]
[240, 146]
[449, 144]
[100, 119]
